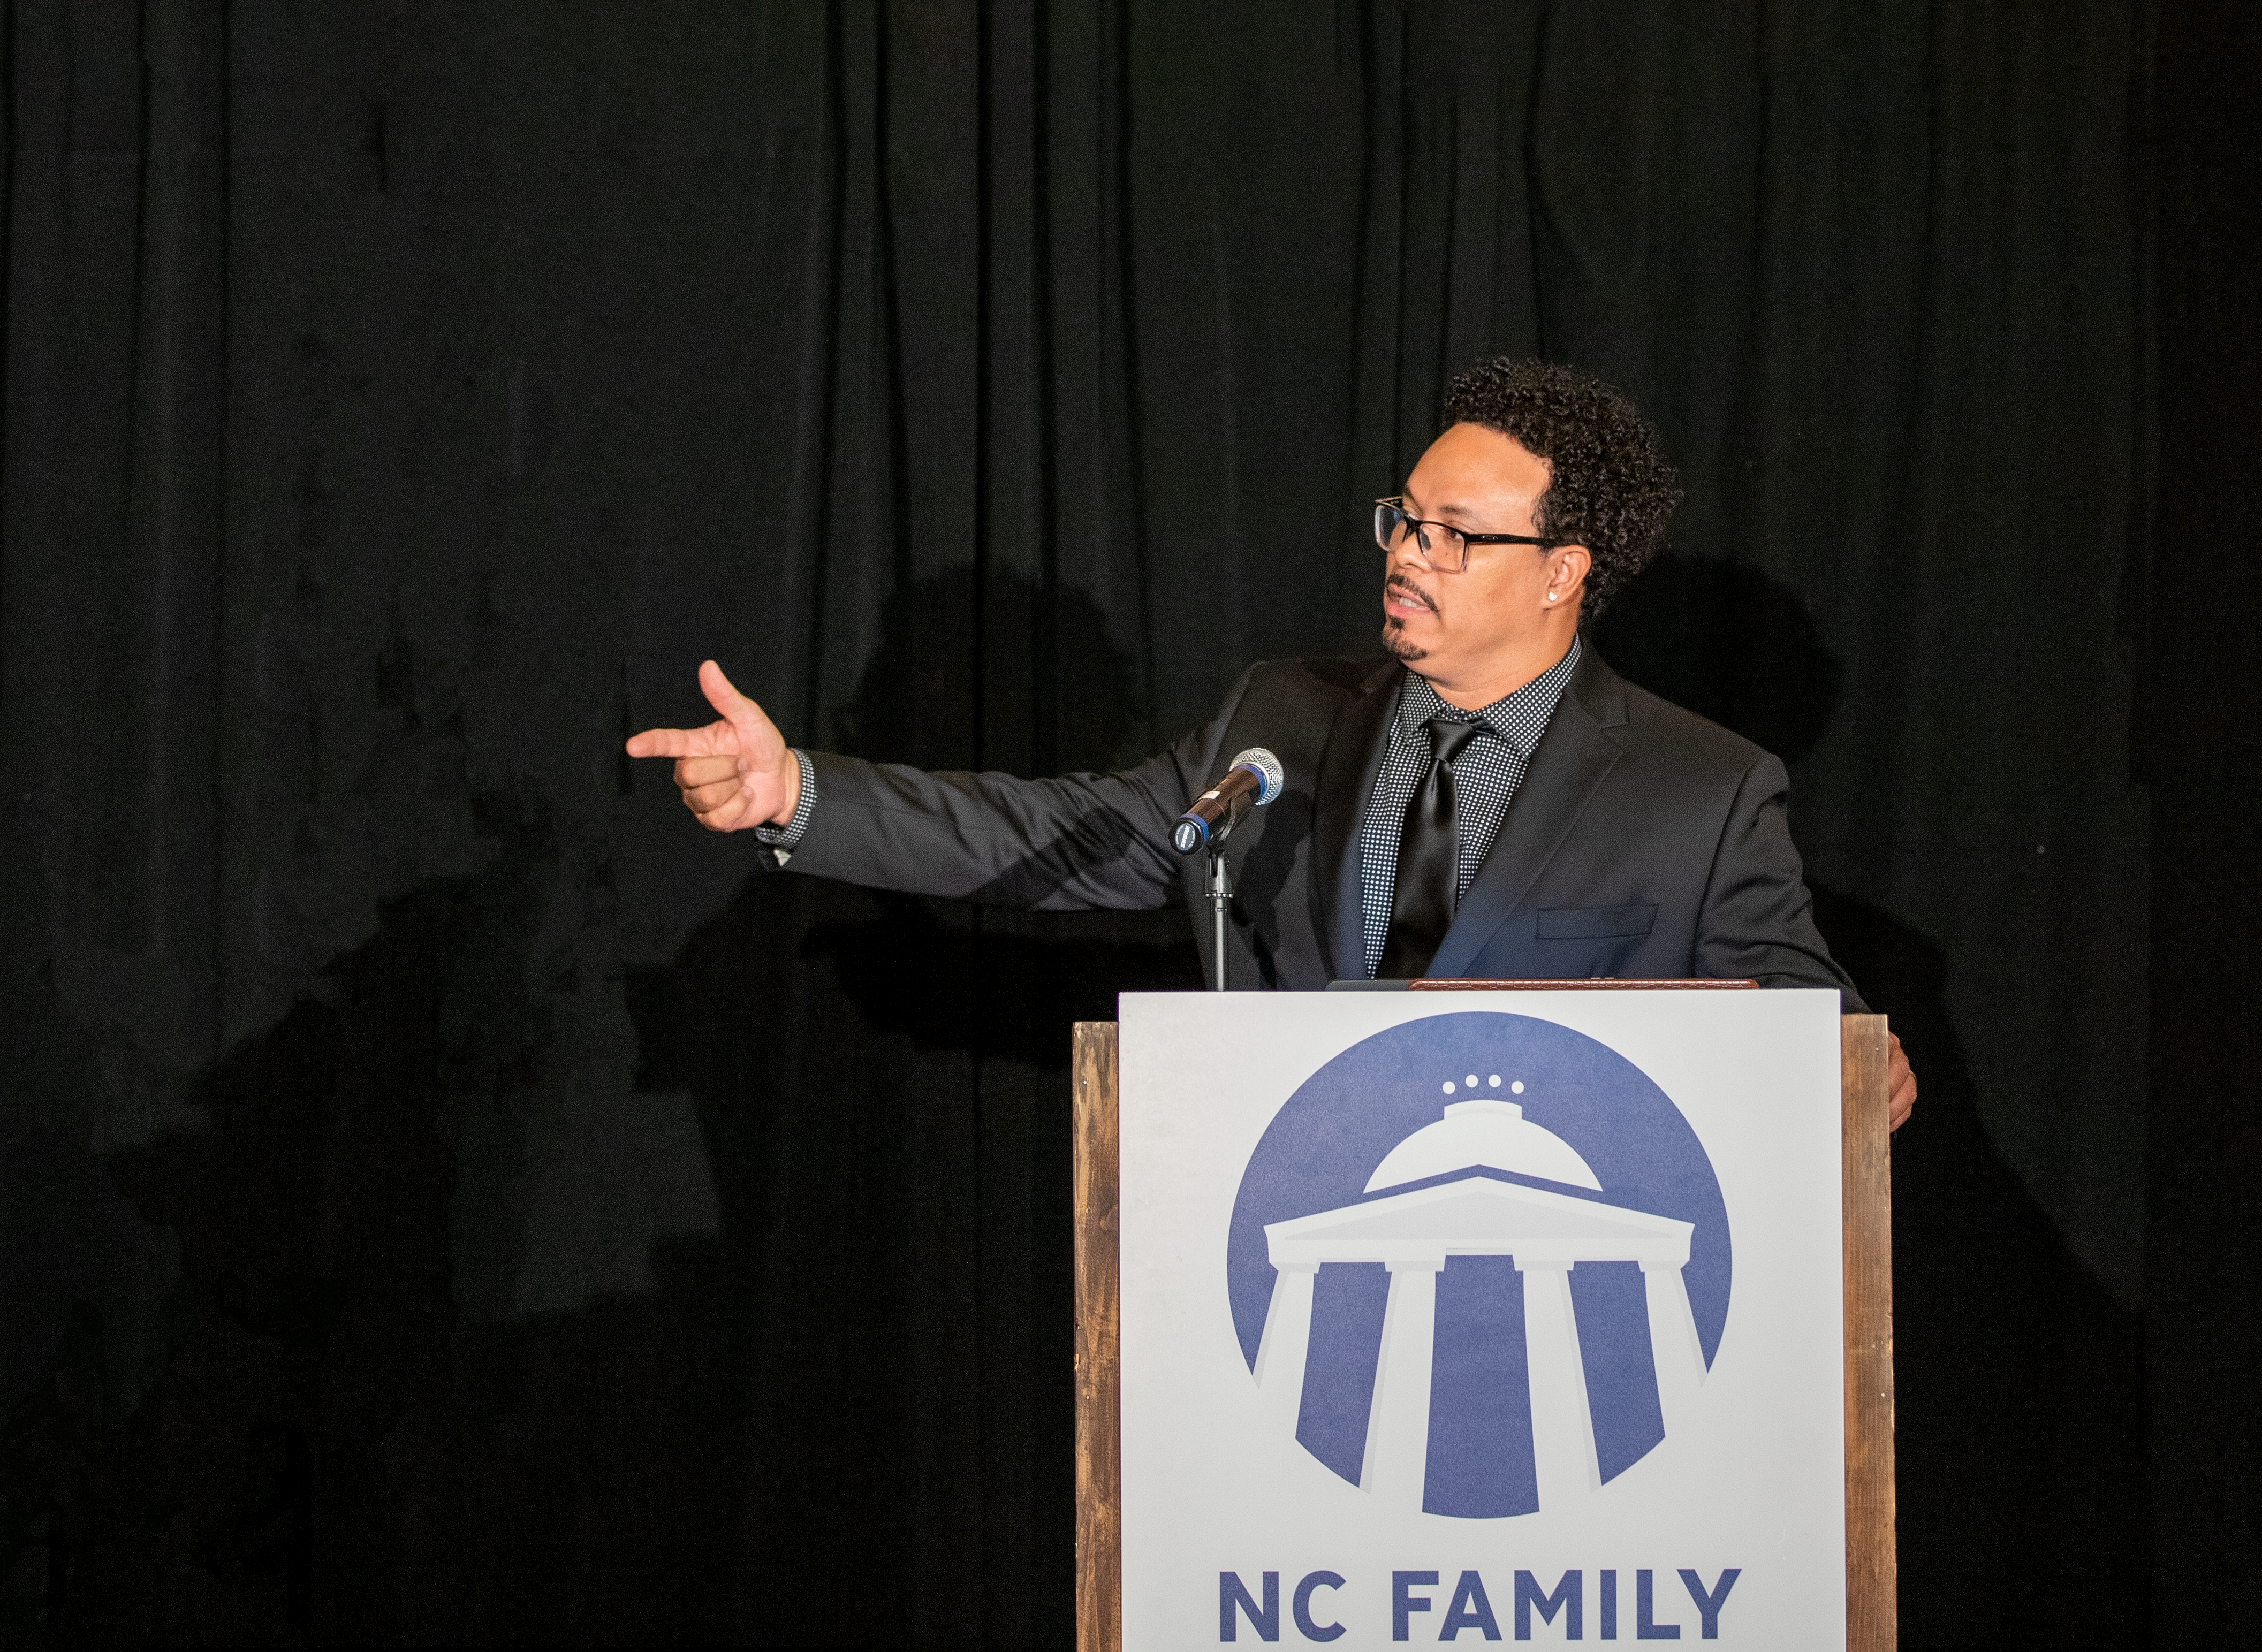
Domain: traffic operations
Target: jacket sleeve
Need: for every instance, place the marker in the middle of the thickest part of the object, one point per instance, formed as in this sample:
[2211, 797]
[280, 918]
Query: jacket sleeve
[1757, 922]
[1075, 844]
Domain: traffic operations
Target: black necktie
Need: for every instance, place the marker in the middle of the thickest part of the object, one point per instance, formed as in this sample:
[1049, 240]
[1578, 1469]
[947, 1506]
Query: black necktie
[1429, 861]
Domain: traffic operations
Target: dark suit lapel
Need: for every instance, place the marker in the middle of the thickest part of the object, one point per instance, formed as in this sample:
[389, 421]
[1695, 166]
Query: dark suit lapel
[1349, 763]
[1573, 755]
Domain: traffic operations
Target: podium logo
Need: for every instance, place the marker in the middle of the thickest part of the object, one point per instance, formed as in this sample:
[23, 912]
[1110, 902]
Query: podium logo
[1478, 1265]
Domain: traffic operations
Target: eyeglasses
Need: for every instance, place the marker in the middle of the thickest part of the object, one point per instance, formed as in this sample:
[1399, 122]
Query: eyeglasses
[1444, 547]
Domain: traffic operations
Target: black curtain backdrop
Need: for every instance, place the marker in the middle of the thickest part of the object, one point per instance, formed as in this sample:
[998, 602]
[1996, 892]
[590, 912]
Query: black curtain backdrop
[447, 1199]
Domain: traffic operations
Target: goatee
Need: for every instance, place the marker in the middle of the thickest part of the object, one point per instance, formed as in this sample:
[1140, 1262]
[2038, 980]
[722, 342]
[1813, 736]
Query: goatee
[1394, 641]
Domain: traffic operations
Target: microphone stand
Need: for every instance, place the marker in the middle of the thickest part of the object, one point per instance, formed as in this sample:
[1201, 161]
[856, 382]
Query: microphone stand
[1220, 889]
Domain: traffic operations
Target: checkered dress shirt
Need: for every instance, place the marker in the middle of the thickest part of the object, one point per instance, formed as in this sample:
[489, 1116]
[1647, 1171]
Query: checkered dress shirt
[786, 838]
[1484, 778]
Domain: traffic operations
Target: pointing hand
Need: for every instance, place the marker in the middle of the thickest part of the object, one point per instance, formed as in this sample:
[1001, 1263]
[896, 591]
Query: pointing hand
[736, 772]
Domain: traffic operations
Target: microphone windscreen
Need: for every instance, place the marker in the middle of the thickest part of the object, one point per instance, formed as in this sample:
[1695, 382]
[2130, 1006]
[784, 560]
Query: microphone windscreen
[1270, 773]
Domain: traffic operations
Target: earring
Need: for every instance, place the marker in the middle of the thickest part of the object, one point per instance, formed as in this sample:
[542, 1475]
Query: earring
[1550, 596]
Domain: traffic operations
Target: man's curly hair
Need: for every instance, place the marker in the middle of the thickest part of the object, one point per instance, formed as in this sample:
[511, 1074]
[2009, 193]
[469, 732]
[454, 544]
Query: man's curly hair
[1610, 489]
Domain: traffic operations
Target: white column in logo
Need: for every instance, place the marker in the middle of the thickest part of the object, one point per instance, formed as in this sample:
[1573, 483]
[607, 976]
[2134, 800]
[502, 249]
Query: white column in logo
[1673, 1344]
[1286, 1344]
[1397, 1463]
[1562, 1429]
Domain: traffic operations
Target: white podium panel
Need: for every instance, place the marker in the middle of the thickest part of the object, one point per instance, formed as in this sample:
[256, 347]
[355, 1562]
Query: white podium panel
[1475, 1315]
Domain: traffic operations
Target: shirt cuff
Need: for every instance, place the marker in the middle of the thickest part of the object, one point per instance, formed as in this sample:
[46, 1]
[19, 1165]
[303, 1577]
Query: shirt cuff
[786, 838]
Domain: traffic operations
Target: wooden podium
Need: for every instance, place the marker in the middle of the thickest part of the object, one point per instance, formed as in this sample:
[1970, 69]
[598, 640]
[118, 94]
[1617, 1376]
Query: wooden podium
[1871, 1623]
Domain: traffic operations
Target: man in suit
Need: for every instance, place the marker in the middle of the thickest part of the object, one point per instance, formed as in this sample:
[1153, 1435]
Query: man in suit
[1485, 799]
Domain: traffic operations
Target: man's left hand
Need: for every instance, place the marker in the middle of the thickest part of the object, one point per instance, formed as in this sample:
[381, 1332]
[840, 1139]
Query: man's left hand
[1902, 1086]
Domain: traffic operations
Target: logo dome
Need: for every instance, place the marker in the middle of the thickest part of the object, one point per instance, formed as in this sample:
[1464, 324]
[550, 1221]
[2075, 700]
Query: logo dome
[1493, 1135]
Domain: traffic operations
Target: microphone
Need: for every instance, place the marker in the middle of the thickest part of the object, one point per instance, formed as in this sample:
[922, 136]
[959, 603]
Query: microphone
[1254, 779]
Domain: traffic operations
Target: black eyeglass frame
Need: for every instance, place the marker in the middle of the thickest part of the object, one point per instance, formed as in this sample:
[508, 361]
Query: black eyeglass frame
[1391, 517]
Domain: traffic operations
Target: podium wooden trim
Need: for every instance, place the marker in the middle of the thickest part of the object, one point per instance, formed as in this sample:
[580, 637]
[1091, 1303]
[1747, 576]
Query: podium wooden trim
[1871, 1622]
[1099, 1371]
[1872, 1610]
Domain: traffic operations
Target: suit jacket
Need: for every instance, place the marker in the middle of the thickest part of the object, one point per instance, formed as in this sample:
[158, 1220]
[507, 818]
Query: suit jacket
[1643, 841]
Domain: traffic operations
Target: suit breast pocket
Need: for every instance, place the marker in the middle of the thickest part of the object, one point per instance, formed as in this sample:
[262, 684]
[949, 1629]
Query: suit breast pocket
[1595, 923]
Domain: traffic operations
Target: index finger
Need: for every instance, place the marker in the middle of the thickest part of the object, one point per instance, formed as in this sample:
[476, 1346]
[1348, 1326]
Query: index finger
[663, 742]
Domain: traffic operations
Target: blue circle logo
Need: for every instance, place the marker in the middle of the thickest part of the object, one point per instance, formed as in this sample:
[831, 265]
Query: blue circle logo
[1479, 1265]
